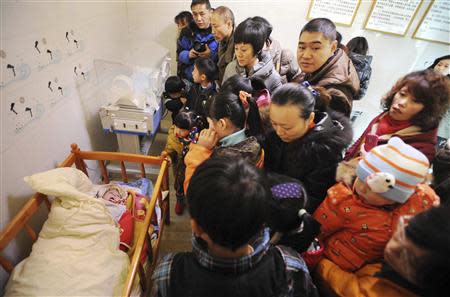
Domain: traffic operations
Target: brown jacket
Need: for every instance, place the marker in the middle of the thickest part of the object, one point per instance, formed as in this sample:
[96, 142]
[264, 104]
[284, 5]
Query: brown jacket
[339, 77]
[226, 55]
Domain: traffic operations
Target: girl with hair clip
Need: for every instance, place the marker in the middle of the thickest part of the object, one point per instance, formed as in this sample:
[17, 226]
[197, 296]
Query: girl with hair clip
[252, 87]
[232, 132]
[413, 109]
[291, 225]
[308, 139]
[187, 128]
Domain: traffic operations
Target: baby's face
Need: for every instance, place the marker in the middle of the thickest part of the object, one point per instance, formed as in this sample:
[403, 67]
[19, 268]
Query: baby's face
[112, 196]
[372, 198]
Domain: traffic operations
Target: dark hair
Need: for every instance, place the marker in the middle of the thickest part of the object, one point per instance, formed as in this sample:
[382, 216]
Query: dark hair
[321, 25]
[267, 27]
[289, 197]
[184, 15]
[302, 97]
[225, 13]
[207, 67]
[447, 57]
[228, 200]
[430, 230]
[197, 2]
[358, 45]
[339, 42]
[237, 83]
[227, 105]
[174, 84]
[284, 211]
[252, 32]
[429, 88]
[188, 120]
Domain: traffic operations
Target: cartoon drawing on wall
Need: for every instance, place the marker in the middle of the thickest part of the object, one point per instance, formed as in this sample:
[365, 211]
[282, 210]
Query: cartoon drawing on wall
[82, 73]
[13, 69]
[22, 112]
[57, 91]
[73, 43]
[46, 54]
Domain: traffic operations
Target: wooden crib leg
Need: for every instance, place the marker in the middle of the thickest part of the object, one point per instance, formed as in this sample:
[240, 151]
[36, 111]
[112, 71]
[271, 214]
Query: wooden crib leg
[166, 202]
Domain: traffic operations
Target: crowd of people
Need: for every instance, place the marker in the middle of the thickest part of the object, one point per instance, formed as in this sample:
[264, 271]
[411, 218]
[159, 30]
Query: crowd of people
[281, 202]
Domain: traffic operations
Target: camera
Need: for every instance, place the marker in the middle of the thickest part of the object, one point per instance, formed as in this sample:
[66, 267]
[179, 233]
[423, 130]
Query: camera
[199, 46]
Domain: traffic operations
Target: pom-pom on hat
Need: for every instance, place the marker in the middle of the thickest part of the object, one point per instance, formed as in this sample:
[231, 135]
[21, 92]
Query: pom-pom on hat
[399, 160]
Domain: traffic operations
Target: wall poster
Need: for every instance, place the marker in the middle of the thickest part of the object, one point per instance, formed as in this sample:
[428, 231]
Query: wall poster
[435, 23]
[392, 16]
[340, 12]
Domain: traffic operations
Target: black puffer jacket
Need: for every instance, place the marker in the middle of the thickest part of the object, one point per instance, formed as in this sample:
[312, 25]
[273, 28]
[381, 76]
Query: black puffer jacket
[362, 66]
[313, 158]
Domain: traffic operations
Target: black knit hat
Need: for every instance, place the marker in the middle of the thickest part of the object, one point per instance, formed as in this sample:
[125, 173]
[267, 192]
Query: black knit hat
[431, 229]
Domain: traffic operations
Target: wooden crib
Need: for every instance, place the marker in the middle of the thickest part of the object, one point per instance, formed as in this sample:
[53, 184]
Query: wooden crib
[76, 158]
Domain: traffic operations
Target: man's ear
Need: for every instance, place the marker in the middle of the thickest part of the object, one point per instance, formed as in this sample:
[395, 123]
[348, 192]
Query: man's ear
[230, 24]
[202, 77]
[334, 45]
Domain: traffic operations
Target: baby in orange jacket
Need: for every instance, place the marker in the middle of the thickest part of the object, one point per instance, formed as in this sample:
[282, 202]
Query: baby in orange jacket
[357, 223]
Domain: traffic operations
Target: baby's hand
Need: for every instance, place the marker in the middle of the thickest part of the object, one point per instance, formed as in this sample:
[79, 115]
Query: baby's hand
[208, 138]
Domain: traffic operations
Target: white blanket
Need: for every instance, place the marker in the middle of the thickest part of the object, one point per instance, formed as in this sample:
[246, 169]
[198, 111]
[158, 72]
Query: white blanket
[77, 252]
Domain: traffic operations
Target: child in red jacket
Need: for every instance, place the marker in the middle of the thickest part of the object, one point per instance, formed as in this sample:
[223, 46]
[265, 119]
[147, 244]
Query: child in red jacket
[357, 223]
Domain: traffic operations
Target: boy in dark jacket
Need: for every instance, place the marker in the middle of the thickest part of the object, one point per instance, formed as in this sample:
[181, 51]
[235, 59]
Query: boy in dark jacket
[231, 256]
[204, 73]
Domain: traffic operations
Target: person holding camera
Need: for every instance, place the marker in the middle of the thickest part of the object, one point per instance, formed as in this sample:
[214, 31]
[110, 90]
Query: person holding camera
[197, 40]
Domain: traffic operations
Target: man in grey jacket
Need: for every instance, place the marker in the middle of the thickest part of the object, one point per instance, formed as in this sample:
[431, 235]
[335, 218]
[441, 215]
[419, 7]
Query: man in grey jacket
[222, 23]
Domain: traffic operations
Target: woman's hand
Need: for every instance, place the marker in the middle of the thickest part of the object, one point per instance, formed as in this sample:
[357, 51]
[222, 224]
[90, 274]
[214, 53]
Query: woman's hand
[208, 138]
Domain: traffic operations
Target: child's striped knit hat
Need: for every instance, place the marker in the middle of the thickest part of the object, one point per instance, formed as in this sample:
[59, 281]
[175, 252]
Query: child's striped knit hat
[408, 165]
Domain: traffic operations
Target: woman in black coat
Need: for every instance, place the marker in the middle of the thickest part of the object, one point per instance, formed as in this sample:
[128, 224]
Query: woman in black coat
[308, 139]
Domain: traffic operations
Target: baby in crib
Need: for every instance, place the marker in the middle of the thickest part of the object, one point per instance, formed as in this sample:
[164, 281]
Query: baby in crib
[116, 201]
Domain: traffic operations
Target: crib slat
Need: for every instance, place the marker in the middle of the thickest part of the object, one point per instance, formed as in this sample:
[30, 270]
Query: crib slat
[123, 171]
[6, 264]
[142, 170]
[47, 203]
[142, 278]
[31, 232]
[166, 187]
[104, 172]
[149, 250]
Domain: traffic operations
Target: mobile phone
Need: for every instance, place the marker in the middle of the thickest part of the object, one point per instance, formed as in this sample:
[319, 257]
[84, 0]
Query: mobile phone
[370, 142]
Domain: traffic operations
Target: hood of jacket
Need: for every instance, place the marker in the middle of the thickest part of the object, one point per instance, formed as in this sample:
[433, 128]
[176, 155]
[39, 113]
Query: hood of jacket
[332, 130]
[263, 69]
[360, 61]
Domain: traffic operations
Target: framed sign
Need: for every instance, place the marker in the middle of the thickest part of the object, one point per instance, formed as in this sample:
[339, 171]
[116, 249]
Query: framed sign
[340, 12]
[392, 16]
[435, 23]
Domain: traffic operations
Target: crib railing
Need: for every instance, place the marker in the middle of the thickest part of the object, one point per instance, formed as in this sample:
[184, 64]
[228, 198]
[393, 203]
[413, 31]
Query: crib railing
[78, 158]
